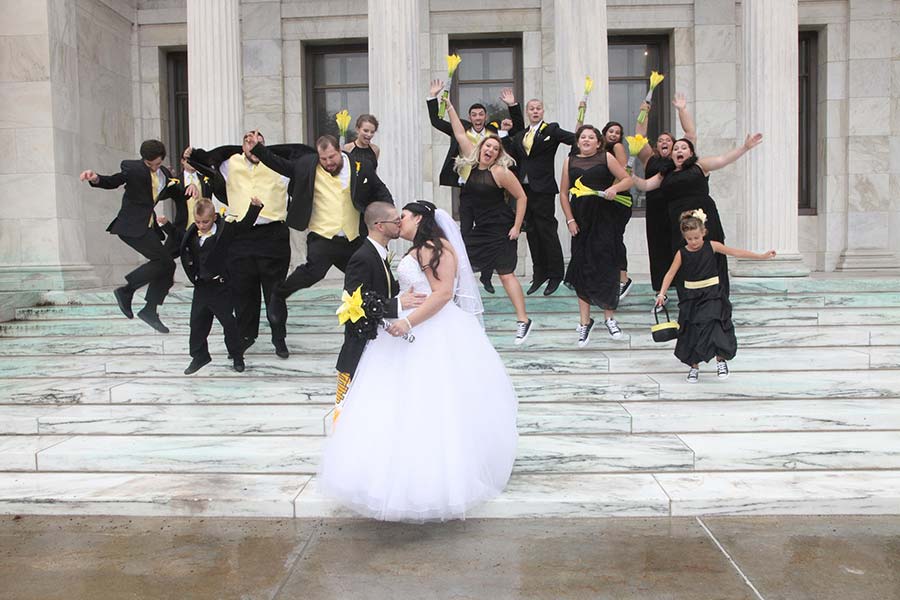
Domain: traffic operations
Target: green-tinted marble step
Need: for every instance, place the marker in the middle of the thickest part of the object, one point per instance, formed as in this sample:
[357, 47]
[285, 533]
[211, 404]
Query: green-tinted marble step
[551, 340]
[496, 305]
[268, 420]
[556, 363]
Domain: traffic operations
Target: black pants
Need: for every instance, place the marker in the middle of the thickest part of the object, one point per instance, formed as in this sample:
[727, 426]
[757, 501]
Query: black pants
[158, 274]
[257, 258]
[213, 299]
[321, 254]
[543, 238]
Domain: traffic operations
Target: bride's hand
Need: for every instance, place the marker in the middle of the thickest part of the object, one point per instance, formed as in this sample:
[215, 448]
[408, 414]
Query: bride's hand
[399, 328]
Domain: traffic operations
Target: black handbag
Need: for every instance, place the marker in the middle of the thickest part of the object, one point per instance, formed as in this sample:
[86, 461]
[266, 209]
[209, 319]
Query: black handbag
[664, 332]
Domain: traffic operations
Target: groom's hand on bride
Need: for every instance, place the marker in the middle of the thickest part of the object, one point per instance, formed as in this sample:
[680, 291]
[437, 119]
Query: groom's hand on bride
[410, 299]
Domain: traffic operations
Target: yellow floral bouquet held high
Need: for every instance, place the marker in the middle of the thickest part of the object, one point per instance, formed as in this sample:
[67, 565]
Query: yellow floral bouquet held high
[655, 80]
[588, 86]
[343, 122]
[580, 190]
[636, 143]
[453, 61]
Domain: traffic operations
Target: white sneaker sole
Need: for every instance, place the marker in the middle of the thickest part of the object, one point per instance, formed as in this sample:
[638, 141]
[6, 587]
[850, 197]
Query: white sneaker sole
[626, 291]
[521, 340]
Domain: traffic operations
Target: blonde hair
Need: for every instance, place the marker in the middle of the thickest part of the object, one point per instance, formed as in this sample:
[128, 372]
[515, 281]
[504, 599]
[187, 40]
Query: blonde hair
[203, 207]
[503, 159]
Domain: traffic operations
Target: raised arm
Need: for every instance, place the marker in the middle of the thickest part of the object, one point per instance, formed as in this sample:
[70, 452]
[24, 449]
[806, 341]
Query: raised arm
[105, 182]
[685, 117]
[432, 102]
[713, 163]
[466, 146]
[641, 129]
[280, 165]
[740, 253]
[647, 185]
[515, 111]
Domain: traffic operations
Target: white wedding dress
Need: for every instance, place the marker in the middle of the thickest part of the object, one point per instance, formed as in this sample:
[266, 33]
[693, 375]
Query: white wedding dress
[428, 429]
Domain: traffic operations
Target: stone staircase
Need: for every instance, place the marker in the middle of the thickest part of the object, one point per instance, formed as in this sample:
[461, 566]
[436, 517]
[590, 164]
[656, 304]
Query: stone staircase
[96, 416]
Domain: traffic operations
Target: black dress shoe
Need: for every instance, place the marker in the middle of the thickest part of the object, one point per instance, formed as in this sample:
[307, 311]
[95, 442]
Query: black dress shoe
[152, 319]
[276, 309]
[196, 364]
[535, 286]
[488, 285]
[123, 299]
[281, 349]
[552, 286]
[238, 365]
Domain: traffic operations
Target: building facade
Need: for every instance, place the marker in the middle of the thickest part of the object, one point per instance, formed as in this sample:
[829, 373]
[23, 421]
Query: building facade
[82, 82]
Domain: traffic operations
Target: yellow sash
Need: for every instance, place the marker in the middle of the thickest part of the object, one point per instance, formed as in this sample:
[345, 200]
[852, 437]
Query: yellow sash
[696, 285]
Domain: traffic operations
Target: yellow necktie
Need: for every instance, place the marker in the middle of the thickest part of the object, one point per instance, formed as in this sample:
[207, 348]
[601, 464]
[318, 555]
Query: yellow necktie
[154, 191]
[528, 141]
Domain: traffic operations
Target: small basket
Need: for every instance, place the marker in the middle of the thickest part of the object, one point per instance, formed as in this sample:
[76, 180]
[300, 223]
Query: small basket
[664, 332]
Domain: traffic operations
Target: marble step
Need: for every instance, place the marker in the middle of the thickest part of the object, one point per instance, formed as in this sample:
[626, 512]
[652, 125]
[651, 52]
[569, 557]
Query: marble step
[149, 343]
[300, 455]
[593, 387]
[269, 420]
[559, 362]
[630, 321]
[526, 496]
[492, 305]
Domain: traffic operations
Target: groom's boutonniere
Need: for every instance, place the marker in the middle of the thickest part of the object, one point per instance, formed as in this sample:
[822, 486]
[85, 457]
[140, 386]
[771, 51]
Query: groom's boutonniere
[390, 257]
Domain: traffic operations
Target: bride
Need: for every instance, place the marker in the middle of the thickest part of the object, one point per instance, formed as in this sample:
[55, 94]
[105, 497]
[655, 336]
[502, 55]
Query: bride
[428, 429]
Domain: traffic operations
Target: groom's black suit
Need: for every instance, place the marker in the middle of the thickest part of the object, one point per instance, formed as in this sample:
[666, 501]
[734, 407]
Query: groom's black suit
[366, 268]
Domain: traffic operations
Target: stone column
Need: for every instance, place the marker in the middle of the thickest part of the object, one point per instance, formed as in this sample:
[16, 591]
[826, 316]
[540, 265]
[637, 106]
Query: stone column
[579, 36]
[396, 95]
[869, 201]
[769, 32]
[581, 49]
[215, 102]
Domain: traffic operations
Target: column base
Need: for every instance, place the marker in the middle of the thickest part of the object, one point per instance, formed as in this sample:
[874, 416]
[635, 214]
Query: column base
[788, 265]
[41, 278]
[867, 260]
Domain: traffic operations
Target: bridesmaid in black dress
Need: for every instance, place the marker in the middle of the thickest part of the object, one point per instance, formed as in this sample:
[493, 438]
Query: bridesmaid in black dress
[655, 160]
[491, 242]
[362, 147]
[594, 222]
[686, 187]
[611, 138]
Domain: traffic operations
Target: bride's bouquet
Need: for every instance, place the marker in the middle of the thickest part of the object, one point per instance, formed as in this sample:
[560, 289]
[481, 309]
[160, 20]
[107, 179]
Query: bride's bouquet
[365, 311]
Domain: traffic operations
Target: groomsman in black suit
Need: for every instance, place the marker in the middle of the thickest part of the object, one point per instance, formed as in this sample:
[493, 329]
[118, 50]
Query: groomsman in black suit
[368, 267]
[146, 182]
[476, 128]
[330, 191]
[535, 152]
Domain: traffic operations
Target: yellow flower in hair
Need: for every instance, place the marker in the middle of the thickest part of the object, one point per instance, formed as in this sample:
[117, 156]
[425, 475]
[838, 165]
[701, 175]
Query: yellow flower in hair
[351, 307]
[655, 79]
[636, 143]
[699, 214]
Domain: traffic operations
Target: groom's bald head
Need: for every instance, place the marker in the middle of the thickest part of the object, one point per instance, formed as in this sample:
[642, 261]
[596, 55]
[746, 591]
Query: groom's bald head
[379, 211]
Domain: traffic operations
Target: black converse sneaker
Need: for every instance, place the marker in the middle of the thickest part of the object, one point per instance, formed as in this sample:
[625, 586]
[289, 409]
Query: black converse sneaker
[584, 333]
[624, 288]
[722, 369]
[523, 328]
[613, 327]
[693, 375]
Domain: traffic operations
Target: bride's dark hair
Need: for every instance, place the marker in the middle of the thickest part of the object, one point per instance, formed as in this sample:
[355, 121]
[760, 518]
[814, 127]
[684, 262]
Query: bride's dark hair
[428, 234]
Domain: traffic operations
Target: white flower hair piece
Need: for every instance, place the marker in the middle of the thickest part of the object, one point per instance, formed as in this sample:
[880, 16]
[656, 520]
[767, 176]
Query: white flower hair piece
[699, 214]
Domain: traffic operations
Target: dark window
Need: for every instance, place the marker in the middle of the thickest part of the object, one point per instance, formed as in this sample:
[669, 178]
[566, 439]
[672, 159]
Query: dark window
[340, 80]
[808, 152]
[487, 67]
[631, 59]
[177, 83]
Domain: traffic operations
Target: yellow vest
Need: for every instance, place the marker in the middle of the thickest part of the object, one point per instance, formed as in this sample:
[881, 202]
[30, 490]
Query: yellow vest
[332, 209]
[243, 183]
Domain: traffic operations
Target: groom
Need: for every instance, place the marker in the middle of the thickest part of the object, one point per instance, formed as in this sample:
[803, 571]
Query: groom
[369, 268]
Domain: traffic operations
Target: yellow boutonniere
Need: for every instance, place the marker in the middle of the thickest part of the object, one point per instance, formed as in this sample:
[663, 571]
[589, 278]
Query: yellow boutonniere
[358, 166]
[543, 125]
[173, 181]
[494, 124]
[351, 307]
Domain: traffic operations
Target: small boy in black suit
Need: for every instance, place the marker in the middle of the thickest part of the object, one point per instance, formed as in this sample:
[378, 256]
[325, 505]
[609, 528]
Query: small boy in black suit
[204, 256]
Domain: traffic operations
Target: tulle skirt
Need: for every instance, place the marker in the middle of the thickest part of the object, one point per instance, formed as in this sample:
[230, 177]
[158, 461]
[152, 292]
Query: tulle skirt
[428, 429]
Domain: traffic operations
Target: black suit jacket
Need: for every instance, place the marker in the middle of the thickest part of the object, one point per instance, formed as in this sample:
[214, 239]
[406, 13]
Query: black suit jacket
[539, 166]
[448, 176]
[365, 185]
[216, 263]
[137, 201]
[365, 268]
